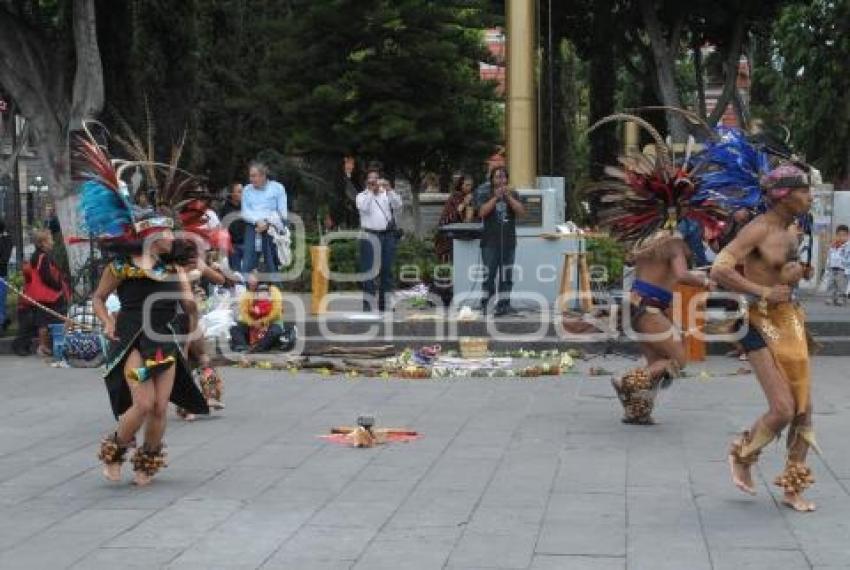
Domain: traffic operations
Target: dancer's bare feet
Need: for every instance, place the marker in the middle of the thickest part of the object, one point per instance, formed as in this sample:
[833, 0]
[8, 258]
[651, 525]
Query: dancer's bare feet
[741, 476]
[112, 471]
[798, 503]
[215, 404]
[142, 479]
[185, 415]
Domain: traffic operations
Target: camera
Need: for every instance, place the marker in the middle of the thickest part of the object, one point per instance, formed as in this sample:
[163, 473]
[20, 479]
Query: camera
[392, 228]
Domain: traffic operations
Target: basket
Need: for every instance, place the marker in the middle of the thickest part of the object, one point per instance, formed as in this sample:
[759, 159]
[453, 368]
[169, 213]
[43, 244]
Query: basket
[473, 347]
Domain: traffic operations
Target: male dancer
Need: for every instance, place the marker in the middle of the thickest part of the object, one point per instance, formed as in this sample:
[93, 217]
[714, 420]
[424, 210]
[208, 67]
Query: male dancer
[775, 335]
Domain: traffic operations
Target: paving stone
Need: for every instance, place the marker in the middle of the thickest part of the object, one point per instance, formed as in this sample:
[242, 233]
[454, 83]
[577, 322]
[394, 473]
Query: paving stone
[509, 474]
[246, 539]
[419, 548]
[584, 524]
[511, 549]
[106, 558]
[316, 544]
[542, 562]
[755, 559]
[178, 525]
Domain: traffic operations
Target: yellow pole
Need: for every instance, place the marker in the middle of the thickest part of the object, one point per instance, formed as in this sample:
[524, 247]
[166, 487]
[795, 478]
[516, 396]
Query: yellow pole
[521, 129]
[632, 138]
[320, 255]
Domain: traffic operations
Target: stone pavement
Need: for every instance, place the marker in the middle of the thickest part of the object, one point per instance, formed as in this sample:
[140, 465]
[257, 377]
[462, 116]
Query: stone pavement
[512, 474]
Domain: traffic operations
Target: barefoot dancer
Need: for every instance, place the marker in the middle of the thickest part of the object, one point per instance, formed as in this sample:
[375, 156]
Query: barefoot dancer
[775, 337]
[209, 380]
[145, 366]
[194, 221]
[661, 263]
[641, 203]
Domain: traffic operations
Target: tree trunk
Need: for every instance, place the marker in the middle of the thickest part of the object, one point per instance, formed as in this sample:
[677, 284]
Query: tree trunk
[603, 85]
[31, 69]
[87, 99]
[740, 110]
[567, 144]
[730, 68]
[699, 74]
[665, 65]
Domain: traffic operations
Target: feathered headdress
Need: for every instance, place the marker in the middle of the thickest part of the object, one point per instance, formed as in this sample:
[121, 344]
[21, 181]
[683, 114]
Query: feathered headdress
[647, 195]
[729, 169]
[107, 210]
[193, 218]
[176, 191]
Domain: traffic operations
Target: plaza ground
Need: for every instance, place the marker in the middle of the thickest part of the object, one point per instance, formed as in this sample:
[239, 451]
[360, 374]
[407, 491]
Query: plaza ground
[515, 474]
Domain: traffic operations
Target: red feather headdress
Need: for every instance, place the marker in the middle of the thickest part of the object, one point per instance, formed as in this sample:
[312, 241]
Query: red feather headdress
[649, 194]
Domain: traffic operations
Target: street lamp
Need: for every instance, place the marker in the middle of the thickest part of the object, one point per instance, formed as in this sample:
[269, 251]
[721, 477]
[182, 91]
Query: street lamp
[37, 188]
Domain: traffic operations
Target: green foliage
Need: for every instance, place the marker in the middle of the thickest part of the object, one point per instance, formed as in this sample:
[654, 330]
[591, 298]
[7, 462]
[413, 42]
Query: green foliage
[397, 81]
[150, 52]
[414, 258]
[807, 82]
[608, 253]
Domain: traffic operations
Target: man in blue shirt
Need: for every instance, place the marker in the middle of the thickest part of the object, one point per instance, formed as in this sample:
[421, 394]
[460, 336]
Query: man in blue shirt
[263, 205]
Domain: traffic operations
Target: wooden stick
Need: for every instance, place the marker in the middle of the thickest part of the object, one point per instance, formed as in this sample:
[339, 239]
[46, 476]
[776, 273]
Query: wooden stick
[64, 318]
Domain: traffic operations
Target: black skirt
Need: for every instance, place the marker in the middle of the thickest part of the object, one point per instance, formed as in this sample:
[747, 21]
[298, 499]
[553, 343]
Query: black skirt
[185, 392]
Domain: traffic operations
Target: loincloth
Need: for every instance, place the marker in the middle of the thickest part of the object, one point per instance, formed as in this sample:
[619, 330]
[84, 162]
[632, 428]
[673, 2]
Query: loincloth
[648, 298]
[781, 329]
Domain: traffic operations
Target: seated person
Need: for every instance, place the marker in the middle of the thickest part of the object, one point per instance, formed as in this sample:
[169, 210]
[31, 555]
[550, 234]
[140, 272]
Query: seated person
[259, 319]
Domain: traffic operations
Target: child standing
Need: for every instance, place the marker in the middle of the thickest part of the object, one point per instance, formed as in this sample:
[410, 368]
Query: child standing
[837, 262]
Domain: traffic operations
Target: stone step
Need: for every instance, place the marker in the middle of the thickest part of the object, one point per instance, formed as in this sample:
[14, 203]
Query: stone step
[504, 335]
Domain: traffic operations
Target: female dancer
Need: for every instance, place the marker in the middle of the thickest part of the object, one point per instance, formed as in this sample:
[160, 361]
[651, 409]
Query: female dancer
[146, 366]
[145, 363]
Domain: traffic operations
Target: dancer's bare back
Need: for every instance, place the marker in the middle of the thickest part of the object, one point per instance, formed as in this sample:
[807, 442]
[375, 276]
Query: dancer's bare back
[666, 271]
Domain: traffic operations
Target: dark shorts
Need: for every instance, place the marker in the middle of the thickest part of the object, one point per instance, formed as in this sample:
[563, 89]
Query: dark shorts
[753, 340]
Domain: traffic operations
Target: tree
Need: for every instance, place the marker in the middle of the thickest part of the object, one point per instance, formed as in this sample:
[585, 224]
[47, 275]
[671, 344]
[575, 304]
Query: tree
[807, 82]
[395, 81]
[151, 59]
[37, 41]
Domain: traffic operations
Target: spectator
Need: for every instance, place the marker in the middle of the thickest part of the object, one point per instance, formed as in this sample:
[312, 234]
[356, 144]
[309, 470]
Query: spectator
[349, 185]
[263, 204]
[48, 287]
[837, 263]
[231, 216]
[458, 208]
[5, 254]
[498, 206]
[212, 220]
[379, 205]
[259, 321]
[51, 220]
[22, 345]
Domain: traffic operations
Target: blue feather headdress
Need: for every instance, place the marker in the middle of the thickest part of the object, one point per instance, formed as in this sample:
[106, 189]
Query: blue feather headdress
[106, 209]
[104, 204]
[729, 169]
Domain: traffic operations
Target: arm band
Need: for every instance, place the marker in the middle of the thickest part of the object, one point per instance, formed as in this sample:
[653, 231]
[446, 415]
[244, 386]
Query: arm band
[725, 259]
